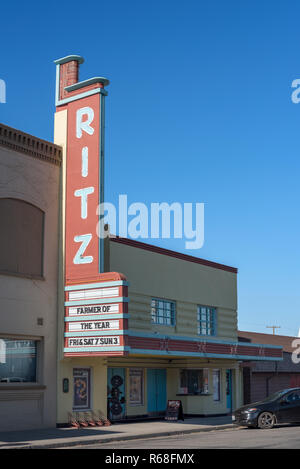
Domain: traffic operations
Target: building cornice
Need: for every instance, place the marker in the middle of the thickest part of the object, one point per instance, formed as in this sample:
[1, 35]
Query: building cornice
[28, 144]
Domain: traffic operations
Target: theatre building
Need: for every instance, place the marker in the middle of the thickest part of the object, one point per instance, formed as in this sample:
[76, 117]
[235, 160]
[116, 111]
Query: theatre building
[29, 203]
[138, 325]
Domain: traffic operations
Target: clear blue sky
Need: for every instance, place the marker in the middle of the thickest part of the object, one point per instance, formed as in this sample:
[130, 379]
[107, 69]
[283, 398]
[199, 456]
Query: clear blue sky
[199, 110]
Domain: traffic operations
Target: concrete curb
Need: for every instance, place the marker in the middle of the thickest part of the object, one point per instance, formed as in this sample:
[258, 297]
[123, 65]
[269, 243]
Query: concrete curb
[88, 441]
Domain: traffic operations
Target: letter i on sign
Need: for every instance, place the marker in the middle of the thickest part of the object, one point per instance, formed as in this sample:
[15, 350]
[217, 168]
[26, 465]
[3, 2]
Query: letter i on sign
[85, 162]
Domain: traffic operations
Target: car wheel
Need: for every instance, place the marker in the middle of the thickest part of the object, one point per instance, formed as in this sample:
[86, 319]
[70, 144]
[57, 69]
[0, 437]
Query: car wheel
[266, 420]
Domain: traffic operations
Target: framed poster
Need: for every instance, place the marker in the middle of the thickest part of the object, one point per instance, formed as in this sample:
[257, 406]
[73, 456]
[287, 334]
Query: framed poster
[81, 388]
[136, 388]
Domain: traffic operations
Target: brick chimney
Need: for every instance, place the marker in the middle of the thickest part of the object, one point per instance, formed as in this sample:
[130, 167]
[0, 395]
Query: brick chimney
[68, 73]
[67, 80]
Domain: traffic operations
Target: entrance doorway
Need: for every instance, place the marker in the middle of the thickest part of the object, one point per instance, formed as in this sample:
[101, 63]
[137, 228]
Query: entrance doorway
[156, 391]
[116, 393]
[229, 390]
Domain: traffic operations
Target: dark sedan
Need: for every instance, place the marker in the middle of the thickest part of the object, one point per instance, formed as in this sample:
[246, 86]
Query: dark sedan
[281, 407]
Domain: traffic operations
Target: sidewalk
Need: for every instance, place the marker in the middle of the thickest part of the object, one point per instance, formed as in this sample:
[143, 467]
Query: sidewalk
[66, 437]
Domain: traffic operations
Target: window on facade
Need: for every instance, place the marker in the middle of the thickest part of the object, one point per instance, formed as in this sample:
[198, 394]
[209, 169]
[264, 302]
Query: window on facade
[206, 318]
[18, 360]
[163, 312]
[216, 385]
[194, 381]
[81, 388]
[136, 386]
[21, 238]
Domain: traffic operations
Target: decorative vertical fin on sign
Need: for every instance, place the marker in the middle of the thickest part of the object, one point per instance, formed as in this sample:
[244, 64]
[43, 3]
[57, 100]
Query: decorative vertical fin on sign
[101, 179]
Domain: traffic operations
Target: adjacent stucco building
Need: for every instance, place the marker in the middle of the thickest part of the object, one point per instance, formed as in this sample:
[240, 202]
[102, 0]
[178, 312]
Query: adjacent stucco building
[260, 379]
[29, 201]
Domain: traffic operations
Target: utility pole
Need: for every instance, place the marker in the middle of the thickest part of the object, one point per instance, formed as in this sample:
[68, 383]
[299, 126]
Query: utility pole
[273, 327]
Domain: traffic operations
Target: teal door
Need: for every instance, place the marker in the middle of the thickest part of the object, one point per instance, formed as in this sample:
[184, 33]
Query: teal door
[156, 391]
[116, 393]
[229, 390]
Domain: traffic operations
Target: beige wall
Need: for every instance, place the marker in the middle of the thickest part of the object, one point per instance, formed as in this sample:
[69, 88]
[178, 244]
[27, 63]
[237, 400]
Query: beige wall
[60, 138]
[98, 385]
[189, 284]
[198, 404]
[24, 300]
[64, 366]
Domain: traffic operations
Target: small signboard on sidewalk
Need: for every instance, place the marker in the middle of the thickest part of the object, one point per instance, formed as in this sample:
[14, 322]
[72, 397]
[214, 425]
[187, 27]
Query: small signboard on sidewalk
[174, 411]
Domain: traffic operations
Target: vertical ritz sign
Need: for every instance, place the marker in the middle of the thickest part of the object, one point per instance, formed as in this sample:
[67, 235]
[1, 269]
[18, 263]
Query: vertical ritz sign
[83, 189]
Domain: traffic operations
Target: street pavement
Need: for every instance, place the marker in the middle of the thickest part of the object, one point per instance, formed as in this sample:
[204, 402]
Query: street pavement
[279, 437]
[68, 437]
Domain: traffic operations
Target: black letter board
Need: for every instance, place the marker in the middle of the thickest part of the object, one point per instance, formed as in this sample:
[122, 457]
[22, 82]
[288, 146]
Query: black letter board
[174, 411]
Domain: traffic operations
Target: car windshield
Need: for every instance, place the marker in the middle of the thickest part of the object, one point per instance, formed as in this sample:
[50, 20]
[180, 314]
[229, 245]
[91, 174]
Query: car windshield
[274, 396]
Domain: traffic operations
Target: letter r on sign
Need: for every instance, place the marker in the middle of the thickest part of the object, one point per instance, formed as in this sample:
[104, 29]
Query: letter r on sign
[86, 124]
